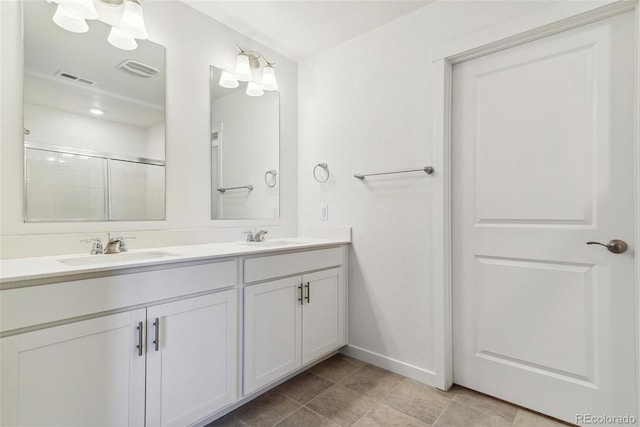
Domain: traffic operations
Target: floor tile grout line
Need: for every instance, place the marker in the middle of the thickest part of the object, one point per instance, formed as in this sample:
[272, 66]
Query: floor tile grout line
[351, 374]
[287, 416]
[320, 415]
[234, 417]
[291, 413]
[442, 412]
[392, 390]
[341, 379]
[365, 414]
[409, 416]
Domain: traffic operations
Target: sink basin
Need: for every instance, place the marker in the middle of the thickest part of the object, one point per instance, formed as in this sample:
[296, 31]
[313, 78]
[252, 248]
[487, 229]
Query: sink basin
[267, 243]
[274, 243]
[107, 259]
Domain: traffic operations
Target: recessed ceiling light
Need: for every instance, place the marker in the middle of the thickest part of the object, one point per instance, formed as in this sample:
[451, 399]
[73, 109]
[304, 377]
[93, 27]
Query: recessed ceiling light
[96, 111]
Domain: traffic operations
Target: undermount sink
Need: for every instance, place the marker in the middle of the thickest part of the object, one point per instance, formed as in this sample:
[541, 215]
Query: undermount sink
[107, 259]
[274, 243]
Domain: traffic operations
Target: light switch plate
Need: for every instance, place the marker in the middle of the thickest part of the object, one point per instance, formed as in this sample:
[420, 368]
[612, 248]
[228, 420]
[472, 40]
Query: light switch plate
[324, 212]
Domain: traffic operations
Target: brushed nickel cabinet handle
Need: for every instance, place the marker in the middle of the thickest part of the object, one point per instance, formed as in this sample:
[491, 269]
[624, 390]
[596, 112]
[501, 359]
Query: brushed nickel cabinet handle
[139, 346]
[156, 338]
[308, 297]
[615, 246]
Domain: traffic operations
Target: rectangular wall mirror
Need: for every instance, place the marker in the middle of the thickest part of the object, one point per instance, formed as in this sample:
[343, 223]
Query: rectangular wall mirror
[94, 124]
[245, 152]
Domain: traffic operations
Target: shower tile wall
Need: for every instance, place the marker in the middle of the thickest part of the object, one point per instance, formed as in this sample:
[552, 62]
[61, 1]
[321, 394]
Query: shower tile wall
[137, 190]
[64, 186]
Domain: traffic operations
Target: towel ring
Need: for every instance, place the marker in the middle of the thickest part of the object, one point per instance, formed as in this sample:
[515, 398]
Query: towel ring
[326, 170]
[273, 181]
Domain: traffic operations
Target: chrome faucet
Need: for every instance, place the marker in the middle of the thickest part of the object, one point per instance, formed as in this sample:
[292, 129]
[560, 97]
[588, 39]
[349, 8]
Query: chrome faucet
[257, 237]
[116, 244]
[96, 248]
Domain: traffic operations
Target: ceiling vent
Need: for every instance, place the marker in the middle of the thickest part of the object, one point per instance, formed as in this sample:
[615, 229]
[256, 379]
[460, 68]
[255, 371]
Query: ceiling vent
[75, 78]
[138, 68]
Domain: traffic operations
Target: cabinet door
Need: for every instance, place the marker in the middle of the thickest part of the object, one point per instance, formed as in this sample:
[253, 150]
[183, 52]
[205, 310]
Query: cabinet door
[191, 358]
[323, 313]
[87, 373]
[272, 331]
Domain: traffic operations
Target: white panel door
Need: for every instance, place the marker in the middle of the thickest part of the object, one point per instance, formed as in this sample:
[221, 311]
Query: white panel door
[322, 313]
[192, 371]
[272, 331]
[88, 373]
[542, 158]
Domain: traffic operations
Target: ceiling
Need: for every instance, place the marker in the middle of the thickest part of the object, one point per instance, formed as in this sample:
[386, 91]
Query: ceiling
[299, 29]
[124, 97]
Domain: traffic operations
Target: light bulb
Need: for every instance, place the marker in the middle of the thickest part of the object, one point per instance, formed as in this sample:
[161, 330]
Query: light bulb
[69, 22]
[269, 78]
[120, 40]
[228, 80]
[254, 89]
[81, 8]
[243, 69]
[132, 22]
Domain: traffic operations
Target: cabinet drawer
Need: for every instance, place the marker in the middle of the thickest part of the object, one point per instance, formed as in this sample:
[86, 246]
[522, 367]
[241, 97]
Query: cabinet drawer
[30, 306]
[269, 267]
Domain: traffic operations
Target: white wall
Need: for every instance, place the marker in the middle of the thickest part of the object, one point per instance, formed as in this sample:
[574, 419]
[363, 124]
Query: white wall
[193, 42]
[366, 106]
[51, 126]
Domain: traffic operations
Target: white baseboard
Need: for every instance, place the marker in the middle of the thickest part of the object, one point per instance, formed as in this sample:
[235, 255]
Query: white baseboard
[410, 371]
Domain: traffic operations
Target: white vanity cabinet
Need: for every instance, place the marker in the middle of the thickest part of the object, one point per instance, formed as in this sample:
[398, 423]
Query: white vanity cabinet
[79, 374]
[191, 358]
[166, 344]
[292, 321]
[171, 363]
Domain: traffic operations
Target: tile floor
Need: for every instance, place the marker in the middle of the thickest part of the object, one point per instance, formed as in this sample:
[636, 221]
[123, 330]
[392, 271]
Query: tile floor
[342, 391]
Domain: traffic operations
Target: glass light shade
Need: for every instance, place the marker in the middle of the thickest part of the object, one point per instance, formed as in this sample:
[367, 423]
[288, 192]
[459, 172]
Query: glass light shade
[228, 80]
[121, 40]
[269, 78]
[243, 70]
[254, 89]
[132, 22]
[69, 22]
[81, 8]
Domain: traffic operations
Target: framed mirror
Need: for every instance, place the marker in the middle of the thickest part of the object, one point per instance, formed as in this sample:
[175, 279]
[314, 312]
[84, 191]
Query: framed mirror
[245, 152]
[94, 124]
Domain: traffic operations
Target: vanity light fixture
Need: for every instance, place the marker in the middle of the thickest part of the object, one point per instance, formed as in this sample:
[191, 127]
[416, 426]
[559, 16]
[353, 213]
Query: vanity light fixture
[246, 62]
[269, 78]
[72, 15]
[254, 89]
[228, 80]
[121, 40]
[69, 22]
[243, 69]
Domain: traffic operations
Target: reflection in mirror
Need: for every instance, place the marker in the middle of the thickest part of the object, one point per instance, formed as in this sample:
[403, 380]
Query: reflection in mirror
[94, 124]
[245, 152]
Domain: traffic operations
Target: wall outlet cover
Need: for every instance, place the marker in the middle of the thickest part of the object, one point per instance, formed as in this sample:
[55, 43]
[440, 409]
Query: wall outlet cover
[324, 212]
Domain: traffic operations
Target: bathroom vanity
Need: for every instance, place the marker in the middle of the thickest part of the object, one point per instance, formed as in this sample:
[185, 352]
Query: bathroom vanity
[178, 338]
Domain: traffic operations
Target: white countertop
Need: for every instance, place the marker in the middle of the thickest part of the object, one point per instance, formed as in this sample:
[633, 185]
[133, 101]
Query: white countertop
[25, 269]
